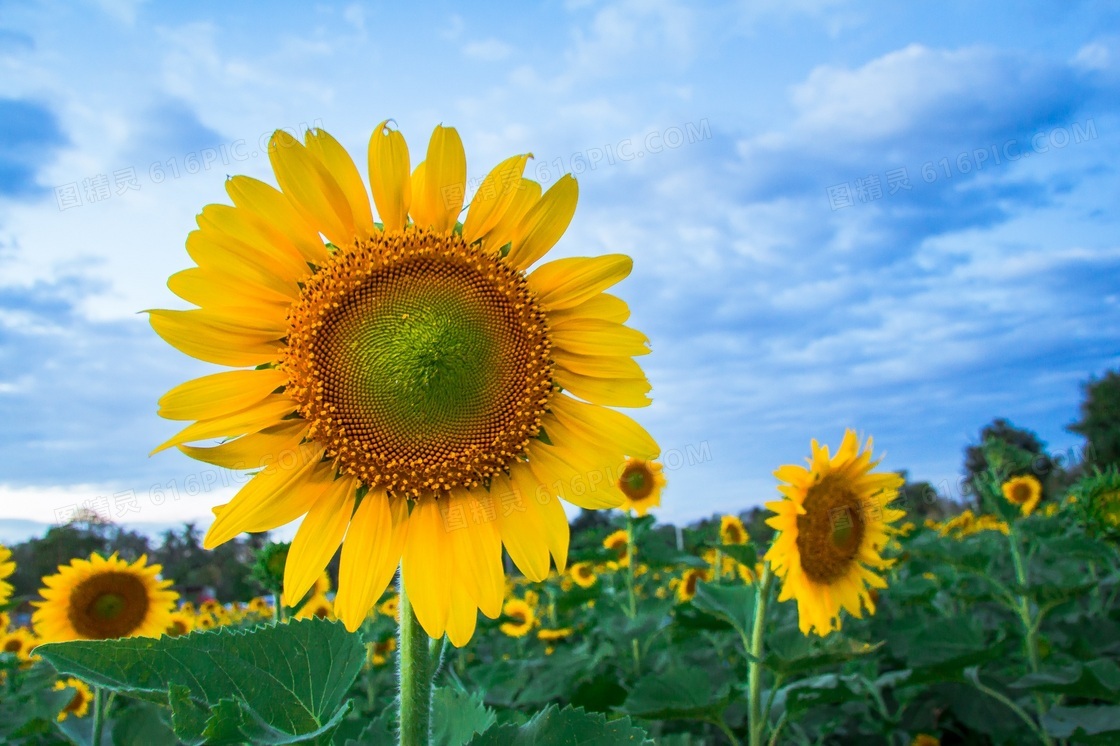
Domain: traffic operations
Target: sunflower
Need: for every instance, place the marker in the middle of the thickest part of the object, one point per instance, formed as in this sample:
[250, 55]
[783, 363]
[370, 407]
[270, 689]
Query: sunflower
[100, 599]
[641, 482]
[20, 642]
[78, 706]
[1023, 492]
[832, 523]
[261, 606]
[7, 567]
[378, 653]
[618, 544]
[732, 530]
[317, 607]
[924, 739]
[5, 621]
[414, 363]
[521, 618]
[205, 621]
[583, 573]
[179, 624]
[686, 586]
[391, 607]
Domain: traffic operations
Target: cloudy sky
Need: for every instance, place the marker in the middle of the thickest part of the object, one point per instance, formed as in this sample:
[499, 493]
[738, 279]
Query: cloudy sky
[893, 217]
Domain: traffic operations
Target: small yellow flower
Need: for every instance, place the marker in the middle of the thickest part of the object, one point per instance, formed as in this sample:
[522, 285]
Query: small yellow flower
[618, 543]
[261, 606]
[180, 624]
[378, 653]
[20, 642]
[686, 587]
[732, 530]
[552, 635]
[641, 482]
[317, 607]
[923, 739]
[205, 621]
[391, 607]
[1024, 492]
[583, 573]
[78, 706]
[7, 567]
[521, 618]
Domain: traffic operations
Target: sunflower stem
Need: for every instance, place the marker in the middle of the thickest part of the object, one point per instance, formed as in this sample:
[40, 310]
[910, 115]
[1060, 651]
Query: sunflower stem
[631, 559]
[757, 725]
[98, 715]
[277, 608]
[1030, 628]
[415, 676]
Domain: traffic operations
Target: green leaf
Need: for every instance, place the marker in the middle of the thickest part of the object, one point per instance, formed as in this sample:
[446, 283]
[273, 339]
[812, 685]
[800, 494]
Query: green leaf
[1071, 722]
[789, 652]
[457, 717]
[681, 693]
[141, 724]
[273, 684]
[733, 604]
[380, 730]
[745, 554]
[568, 727]
[1099, 679]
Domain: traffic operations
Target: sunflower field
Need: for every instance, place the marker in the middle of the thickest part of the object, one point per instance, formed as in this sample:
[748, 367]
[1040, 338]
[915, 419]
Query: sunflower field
[416, 384]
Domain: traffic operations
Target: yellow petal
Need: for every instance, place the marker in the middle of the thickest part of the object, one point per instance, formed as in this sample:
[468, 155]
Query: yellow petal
[554, 522]
[311, 189]
[545, 223]
[527, 194]
[317, 538]
[276, 496]
[597, 366]
[340, 165]
[564, 283]
[602, 306]
[598, 337]
[246, 234]
[494, 195]
[217, 290]
[476, 548]
[611, 392]
[253, 419]
[522, 528]
[370, 555]
[206, 336]
[255, 450]
[607, 424]
[220, 394]
[271, 205]
[438, 199]
[563, 471]
[388, 176]
[462, 616]
[240, 263]
[426, 563]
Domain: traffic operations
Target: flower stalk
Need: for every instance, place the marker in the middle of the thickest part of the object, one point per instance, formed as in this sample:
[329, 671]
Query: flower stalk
[415, 676]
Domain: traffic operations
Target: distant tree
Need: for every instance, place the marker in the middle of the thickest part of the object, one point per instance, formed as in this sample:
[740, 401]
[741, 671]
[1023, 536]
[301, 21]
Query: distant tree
[1100, 420]
[921, 500]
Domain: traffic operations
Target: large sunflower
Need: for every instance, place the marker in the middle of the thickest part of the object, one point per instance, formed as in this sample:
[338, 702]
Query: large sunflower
[833, 524]
[100, 599]
[406, 384]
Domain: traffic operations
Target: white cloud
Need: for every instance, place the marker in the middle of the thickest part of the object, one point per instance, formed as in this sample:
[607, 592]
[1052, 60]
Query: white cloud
[487, 50]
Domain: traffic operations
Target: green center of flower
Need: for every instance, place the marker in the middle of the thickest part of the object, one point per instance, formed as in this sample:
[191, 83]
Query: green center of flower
[108, 606]
[420, 362]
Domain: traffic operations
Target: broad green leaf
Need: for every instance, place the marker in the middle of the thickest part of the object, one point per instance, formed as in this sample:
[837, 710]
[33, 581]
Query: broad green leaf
[733, 604]
[1071, 722]
[1099, 679]
[457, 717]
[280, 683]
[567, 727]
[381, 730]
[681, 693]
[745, 554]
[790, 653]
[141, 724]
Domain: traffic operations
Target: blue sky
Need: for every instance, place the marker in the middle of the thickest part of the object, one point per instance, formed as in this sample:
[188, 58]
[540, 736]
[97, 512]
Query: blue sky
[893, 217]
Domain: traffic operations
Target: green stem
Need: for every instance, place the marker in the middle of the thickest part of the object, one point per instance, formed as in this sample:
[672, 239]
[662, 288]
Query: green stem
[1019, 711]
[1030, 627]
[723, 726]
[778, 729]
[415, 676]
[631, 560]
[277, 608]
[98, 714]
[754, 667]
